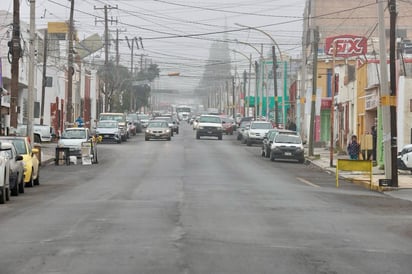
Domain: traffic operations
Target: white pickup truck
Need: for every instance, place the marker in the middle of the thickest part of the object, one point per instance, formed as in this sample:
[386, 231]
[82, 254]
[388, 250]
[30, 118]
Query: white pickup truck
[42, 133]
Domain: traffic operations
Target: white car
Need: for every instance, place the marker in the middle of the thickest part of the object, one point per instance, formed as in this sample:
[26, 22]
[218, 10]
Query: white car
[256, 132]
[16, 167]
[4, 180]
[405, 158]
[73, 139]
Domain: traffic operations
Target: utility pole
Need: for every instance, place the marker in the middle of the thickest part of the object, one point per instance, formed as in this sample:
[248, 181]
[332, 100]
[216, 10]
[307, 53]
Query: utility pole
[392, 97]
[106, 53]
[256, 90]
[384, 116]
[44, 78]
[233, 98]
[314, 87]
[30, 95]
[275, 85]
[248, 88]
[16, 52]
[70, 69]
[332, 107]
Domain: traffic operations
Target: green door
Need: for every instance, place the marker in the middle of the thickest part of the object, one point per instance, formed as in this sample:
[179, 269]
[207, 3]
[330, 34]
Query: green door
[325, 125]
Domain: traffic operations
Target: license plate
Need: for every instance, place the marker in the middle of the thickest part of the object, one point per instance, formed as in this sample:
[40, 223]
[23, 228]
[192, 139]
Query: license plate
[157, 134]
[106, 136]
[209, 132]
[288, 153]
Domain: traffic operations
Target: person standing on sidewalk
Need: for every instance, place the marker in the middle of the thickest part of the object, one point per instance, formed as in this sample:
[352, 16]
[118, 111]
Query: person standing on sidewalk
[354, 148]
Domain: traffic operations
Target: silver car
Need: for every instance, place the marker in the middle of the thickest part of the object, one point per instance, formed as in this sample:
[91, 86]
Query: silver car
[109, 131]
[16, 167]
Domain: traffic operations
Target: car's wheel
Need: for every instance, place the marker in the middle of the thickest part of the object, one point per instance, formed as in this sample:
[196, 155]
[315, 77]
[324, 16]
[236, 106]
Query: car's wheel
[243, 140]
[263, 154]
[272, 157]
[197, 136]
[21, 185]
[146, 139]
[219, 137]
[3, 195]
[301, 161]
[37, 180]
[177, 131]
[248, 143]
[30, 183]
[267, 154]
[239, 137]
[169, 139]
[15, 190]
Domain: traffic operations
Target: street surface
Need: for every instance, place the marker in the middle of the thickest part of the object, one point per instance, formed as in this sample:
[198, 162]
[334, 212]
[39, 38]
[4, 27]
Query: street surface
[200, 206]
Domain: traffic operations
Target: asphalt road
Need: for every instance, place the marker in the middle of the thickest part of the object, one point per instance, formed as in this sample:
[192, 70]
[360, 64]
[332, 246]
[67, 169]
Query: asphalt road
[200, 206]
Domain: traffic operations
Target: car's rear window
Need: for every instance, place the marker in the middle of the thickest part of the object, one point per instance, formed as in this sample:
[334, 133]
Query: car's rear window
[261, 126]
[288, 139]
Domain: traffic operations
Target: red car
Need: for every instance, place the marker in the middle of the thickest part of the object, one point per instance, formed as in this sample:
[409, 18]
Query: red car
[229, 125]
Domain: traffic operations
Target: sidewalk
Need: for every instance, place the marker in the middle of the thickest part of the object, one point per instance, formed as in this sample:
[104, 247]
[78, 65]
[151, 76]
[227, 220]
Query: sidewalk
[322, 160]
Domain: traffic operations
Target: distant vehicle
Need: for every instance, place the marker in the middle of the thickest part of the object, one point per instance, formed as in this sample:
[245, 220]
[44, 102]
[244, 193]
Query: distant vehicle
[209, 125]
[41, 133]
[158, 129]
[228, 125]
[257, 131]
[109, 131]
[120, 118]
[213, 111]
[405, 158]
[30, 160]
[173, 124]
[144, 119]
[287, 146]
[241, 130]
[183, 112]
[245, 119]
[134, 125]
[16, 167]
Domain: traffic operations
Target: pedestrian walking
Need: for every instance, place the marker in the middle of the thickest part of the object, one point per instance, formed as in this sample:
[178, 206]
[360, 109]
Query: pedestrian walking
[354, 148]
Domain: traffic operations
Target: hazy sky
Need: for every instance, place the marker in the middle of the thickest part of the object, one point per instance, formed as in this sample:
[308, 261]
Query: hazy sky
[160, 23]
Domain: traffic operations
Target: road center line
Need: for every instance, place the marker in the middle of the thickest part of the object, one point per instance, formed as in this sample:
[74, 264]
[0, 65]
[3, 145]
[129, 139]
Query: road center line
[307, 182]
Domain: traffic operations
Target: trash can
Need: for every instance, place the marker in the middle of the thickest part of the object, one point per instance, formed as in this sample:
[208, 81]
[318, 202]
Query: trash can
[62, 156]
[38, 152]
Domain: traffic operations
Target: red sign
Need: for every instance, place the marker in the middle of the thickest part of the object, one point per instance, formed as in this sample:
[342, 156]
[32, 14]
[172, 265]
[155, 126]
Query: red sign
[346, 45]
[326, 103]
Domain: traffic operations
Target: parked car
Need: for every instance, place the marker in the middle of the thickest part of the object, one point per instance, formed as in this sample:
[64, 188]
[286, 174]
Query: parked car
[134, 125]
[4, 180]
[16, 167]
[287, 146]
[158, 129]
[405, 158]
[256, 132]
[195, 122]
[30, 160]
[229, 125]
[73, 139]
[41, 133]
[109, 131]
[241, 130]
[269, 138]
[144, 119]
[121, 120]
[245, 119]
[209, 125]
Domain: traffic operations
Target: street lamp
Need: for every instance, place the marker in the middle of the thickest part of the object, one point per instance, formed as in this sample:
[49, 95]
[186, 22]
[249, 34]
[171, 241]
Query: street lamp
[260, 52]
[274, 72]
[250, 68]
